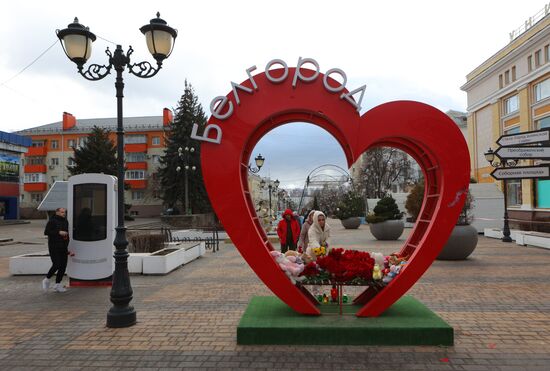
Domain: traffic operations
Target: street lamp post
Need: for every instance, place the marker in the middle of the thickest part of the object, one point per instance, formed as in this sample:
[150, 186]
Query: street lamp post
[271, 188]
[183, 153]
[76, 41]
[490, 157]
[259, 163]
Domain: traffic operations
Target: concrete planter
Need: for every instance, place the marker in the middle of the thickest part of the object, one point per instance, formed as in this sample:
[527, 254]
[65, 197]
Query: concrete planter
[135, 262]
[388, 230]
[461, 243]
[37, 263]
[351, 223]
[173, 256]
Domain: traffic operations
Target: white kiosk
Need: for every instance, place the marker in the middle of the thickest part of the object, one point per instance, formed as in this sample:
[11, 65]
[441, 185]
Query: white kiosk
[91, 212]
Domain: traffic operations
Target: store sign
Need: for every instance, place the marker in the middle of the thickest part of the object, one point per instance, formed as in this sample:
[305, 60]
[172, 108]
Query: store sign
[274, 98]
[9, 165]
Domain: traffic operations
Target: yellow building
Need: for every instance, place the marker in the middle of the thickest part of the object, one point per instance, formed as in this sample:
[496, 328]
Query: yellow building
[510, 93]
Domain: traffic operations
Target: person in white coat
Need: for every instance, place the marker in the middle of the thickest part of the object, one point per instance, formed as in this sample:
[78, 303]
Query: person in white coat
[318, 234]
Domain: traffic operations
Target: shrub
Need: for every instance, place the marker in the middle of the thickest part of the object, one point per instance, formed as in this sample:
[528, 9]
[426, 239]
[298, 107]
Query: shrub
[414, 200]
[352, 205]
[146, 243]
[385, 209]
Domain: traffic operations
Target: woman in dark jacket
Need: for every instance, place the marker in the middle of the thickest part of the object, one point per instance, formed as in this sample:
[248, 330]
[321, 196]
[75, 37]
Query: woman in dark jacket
[57, 231]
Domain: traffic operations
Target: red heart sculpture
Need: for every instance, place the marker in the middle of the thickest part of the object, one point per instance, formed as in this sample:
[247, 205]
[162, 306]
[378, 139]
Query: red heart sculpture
[422, 131]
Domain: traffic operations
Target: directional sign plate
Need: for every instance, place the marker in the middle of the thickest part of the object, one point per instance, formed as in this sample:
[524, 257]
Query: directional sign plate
[525, 172]
[528, 137]
[523, 152]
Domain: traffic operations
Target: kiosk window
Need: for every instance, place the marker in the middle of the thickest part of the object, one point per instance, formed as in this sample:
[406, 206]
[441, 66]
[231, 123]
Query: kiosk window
[90, 212]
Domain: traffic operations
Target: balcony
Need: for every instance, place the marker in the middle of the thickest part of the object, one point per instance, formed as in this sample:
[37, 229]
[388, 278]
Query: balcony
[137, 184]
[37, 151]
[35, 187]
[135, 147]
[35, 168]
[136, 165]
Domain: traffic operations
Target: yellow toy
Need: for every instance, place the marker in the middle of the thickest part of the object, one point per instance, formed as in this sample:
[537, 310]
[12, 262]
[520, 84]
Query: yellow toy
[376, 272]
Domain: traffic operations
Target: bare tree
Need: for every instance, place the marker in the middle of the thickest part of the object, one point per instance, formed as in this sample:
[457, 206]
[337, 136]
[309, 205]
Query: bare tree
[381, 168]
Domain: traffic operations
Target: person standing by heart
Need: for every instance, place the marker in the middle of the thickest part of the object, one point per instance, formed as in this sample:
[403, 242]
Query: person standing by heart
[288, 231]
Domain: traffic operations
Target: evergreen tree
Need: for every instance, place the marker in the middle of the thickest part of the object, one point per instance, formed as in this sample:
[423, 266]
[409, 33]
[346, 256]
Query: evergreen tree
[97, 155]
[172, 182]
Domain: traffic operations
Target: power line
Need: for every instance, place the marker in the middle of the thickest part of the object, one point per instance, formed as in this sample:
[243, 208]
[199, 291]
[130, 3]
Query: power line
[30, 64]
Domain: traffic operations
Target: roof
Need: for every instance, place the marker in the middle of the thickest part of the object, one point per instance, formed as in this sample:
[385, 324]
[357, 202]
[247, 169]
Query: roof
[143, 123]
[15, 139]
[56, 197]
[460, 118]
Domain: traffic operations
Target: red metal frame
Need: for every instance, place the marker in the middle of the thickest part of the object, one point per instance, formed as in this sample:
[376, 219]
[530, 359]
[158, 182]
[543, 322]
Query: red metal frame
[424, 132]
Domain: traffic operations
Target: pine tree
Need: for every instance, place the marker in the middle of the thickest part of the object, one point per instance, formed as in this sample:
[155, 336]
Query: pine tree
[188, 112]
[97, 155]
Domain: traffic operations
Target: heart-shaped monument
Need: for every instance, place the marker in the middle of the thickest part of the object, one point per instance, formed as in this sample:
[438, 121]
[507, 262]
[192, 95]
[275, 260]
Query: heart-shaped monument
[276, 97]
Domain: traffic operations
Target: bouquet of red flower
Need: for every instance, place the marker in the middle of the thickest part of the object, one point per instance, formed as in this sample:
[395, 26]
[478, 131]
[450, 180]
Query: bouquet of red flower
[341, 266]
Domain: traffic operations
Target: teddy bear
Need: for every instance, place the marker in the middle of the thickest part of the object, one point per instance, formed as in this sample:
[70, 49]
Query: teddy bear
[291, 265]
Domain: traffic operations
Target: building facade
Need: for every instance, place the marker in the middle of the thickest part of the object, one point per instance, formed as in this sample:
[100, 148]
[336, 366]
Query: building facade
[507, 94]
[52, 147]
[12, 146]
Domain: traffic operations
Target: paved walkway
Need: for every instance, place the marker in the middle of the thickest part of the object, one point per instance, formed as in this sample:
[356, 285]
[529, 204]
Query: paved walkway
[498, 301]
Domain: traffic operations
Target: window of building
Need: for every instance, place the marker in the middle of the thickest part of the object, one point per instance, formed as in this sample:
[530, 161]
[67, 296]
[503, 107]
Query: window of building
[529, 63]
[34, 178]
[511, 130]
[37, 143]
[542, 90]
[135, 157]
[156, 159]
[500, 85]
[35, 161]
[507, 77]
[543, 193]
[54, 161]
[137, 195]
[546, 53]
[135, 139]
[55, 144]
[538, 58]
[511, 104]
[36, 197]
[543, 123]
[513, 73]
[82, 141]
[514, 192]
[135, 174]
[71, 143]
[71, 162]
[156, 141]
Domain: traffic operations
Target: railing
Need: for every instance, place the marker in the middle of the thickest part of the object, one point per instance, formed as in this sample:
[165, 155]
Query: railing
[530, 22]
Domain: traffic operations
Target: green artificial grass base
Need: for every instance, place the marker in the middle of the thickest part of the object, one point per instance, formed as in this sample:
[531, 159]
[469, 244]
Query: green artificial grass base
[267, 320]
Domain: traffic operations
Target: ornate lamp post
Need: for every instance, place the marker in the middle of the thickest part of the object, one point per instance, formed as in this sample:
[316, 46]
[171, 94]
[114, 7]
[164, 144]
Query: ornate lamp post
[184, 154]
[259, 163]
[490, 157]
[76, 41]
[272, 189]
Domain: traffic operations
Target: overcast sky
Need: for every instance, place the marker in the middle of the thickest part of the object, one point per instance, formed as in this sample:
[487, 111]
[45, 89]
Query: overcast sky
[420, 50]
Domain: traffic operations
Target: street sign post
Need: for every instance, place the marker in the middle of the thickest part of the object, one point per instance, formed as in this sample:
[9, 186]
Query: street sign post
[528, 137]
[523, 172]
[527, 152]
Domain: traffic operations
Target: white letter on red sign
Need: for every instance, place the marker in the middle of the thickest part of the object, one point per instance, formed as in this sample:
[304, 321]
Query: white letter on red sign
[253, 68]
[207, 130]
[339, 88]
[298, 73]
[349, 97]
[235, 86]
[278, 79]
[216, 110]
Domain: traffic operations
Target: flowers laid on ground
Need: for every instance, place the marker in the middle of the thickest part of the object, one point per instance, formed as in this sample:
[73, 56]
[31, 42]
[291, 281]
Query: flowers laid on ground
[350, 267]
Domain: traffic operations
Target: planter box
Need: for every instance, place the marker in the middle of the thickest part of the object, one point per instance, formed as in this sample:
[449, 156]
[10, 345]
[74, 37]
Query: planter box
[171, 257]
[36, 263]
[135, 262]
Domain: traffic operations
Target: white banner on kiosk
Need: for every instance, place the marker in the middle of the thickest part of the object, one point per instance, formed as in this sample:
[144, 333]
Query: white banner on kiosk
[91, 212]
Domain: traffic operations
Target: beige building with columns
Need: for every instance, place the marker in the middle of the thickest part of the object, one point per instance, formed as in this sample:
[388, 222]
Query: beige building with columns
[509, 93]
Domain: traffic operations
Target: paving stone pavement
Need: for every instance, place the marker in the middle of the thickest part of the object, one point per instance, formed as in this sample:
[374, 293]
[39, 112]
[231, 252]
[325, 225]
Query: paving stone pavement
[498, 302]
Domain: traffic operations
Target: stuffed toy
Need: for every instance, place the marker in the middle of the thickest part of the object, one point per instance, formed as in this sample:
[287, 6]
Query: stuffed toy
[376, 272]
[292, 266]
[378, 258]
